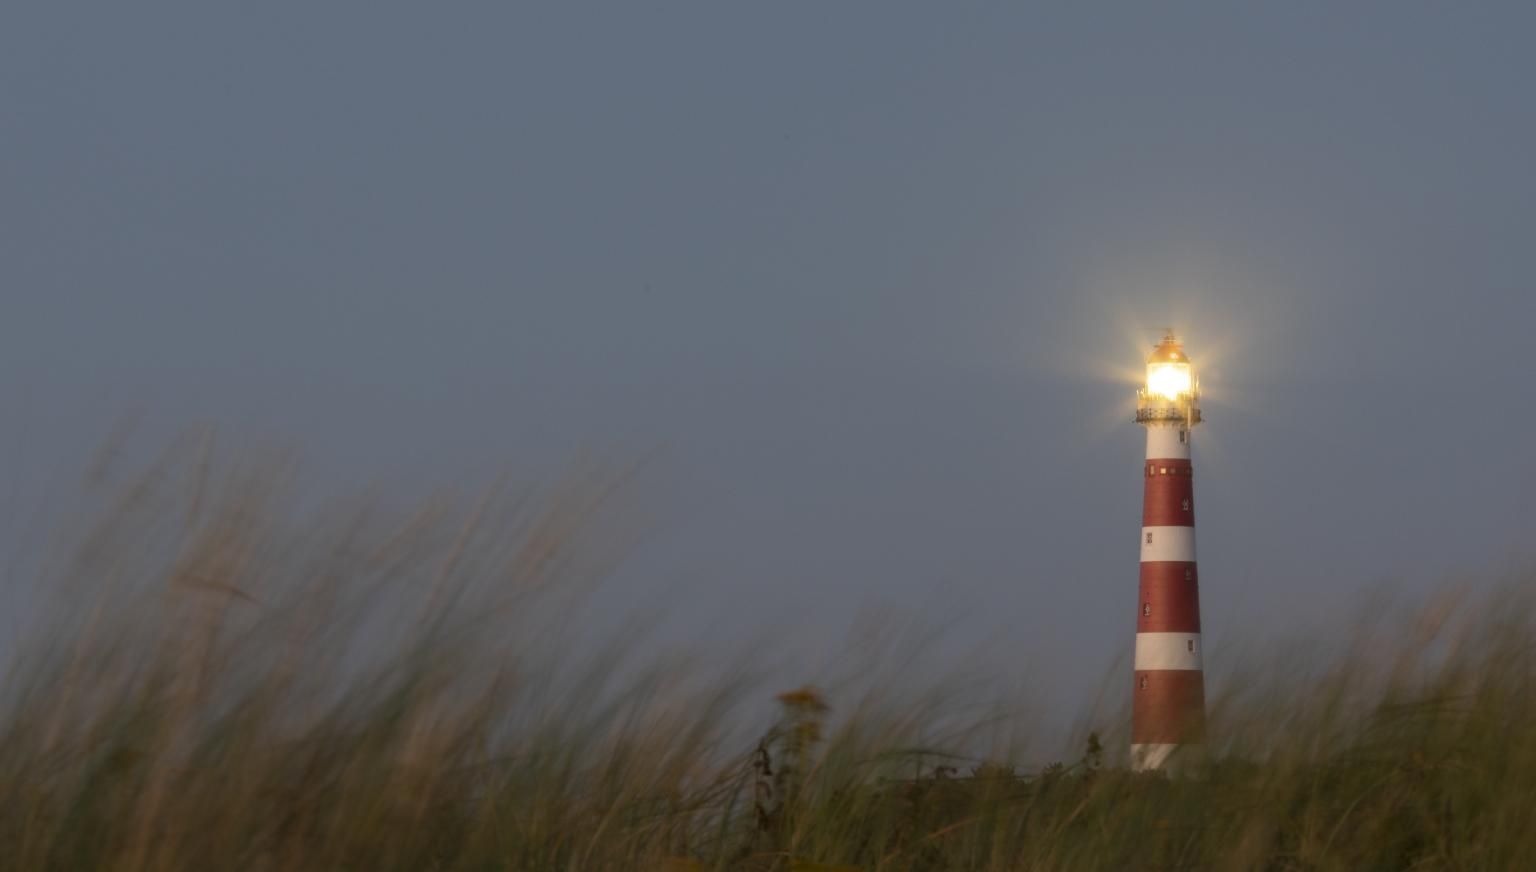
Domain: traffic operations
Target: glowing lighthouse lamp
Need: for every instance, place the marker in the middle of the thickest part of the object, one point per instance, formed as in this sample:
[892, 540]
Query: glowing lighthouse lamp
[1168, 703]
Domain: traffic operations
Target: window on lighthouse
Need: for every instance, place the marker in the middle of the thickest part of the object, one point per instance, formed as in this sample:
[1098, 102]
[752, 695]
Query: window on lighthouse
[1142, 682]
[1146, 610]
[1149, 538]
[1186, 504]
[1191, 644]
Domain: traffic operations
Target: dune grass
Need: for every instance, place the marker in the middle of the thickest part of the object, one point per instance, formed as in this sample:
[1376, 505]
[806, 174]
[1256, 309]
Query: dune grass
[238, 677]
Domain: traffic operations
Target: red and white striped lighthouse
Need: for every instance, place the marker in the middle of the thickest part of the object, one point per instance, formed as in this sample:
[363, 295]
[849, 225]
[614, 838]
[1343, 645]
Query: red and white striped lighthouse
[1168, 707]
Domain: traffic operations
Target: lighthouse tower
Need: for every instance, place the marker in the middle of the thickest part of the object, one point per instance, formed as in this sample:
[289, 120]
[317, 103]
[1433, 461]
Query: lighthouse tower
[1168, 708]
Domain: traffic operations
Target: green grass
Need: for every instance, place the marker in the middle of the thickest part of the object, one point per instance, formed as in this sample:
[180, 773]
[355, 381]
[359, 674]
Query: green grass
[238, 678]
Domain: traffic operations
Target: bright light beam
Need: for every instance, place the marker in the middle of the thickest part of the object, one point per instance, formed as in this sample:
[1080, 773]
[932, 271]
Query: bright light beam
[1169, 380]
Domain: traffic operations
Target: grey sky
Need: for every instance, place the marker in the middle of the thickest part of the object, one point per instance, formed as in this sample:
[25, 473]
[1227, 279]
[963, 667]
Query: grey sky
[866, 274]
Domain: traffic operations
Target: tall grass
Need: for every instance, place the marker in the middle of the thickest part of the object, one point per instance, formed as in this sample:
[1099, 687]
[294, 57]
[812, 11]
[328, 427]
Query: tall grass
[239, 677]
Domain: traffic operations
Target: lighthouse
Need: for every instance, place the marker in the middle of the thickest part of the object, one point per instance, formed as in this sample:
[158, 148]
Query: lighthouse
[1168, 702]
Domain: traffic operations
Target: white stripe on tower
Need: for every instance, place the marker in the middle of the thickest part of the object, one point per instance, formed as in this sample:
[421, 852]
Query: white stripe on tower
[1165, 443]
[1167, 544]
[1167, 650]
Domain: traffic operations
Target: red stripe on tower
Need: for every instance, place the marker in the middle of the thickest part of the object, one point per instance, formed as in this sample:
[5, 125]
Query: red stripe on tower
[1168, 706]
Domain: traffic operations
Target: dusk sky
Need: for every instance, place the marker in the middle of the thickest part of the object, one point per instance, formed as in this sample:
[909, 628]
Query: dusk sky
[869, 282]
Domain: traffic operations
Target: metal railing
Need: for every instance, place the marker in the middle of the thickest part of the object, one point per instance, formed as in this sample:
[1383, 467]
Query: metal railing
[1156, 408]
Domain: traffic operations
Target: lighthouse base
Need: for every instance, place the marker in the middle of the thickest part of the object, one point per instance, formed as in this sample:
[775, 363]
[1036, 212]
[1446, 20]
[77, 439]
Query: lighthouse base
[1175, 760]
